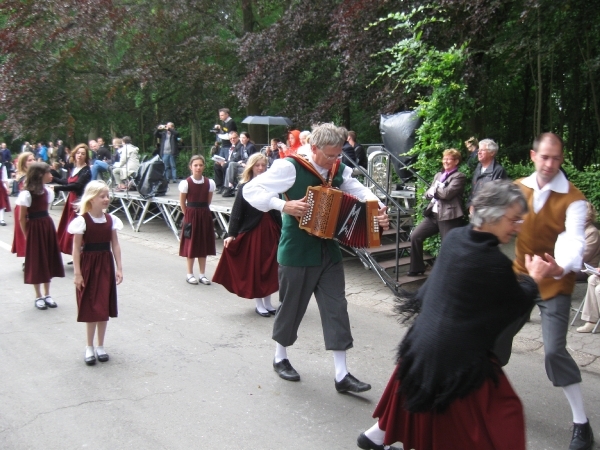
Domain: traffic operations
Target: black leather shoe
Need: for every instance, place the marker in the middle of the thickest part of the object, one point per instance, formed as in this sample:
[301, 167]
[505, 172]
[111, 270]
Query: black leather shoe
[414, 274]
[285, 370]
[229, 192]
[583, 436]
[272, 311]
[351, 384]
[103, 358]
[367, 444]
[265, 314]
[90, 360]
[219, 190]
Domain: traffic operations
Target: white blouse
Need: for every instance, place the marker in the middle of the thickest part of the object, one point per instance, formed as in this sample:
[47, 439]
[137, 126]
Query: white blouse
[77, 225]
[183, 185]
[24, 198]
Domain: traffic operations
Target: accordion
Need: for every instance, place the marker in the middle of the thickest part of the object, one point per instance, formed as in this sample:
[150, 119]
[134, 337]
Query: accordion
[333, 214]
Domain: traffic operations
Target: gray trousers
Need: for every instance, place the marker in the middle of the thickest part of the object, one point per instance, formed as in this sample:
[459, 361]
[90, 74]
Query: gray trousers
[234, 170]
[296, 286]
[561, 369]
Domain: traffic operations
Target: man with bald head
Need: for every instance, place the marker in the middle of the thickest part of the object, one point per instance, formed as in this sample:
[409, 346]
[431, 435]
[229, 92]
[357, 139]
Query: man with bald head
[554, 228]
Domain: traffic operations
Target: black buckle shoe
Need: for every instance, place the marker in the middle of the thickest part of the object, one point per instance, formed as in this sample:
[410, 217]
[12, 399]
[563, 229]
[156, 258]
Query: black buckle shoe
[367, 444]
[285, 370]
[583, 436]
[351, 384]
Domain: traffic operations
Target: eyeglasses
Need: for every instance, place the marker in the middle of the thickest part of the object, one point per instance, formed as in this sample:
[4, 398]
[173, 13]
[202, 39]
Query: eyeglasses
[515, 221]
[330, 157]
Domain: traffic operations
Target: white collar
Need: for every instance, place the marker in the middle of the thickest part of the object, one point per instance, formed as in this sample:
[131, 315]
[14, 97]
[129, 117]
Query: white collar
[558, 184]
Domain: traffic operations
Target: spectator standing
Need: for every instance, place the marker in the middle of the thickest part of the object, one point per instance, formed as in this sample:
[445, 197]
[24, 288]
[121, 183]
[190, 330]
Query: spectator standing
[26, 147]
[5, 156]
[168, 149]
[359, 152]
[51, 153]
[61, 155]
[42, 152]
[227, 125]
[349, 155]
[488, 169]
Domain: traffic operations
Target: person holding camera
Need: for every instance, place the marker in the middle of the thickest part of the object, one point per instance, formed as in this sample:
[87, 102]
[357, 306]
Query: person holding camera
[222, 131]
[168, 148]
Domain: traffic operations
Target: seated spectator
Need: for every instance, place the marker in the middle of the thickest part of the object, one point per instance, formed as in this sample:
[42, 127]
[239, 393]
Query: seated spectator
[128, 164]
[293, 144]
[305, 141]
[235, 168]
[591, 254]
[272, 151]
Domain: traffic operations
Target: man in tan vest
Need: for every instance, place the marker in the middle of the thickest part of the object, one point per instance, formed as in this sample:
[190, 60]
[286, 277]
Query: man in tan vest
[554, 229]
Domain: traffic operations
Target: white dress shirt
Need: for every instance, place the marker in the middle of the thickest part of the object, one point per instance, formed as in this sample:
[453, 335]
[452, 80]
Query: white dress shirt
[570, 244]
[263, 191]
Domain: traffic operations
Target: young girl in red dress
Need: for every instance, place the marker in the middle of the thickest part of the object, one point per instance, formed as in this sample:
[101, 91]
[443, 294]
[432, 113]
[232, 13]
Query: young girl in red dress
[80, 175]
[42, 255]
[94, 234]
[18, 244]
[197, 233]
[253, 238]
[4, 202]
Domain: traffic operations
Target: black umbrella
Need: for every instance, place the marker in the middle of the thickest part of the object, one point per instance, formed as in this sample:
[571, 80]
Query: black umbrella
[268, 120]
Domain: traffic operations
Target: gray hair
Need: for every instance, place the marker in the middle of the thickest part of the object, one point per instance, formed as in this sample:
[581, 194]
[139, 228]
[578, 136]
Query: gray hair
[327, 134]
[490, 145]
[304, 133]
[492, 201]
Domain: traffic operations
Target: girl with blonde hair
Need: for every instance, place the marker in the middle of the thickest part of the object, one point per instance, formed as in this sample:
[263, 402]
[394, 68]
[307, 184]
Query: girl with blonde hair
[96, 249]
[252, 242]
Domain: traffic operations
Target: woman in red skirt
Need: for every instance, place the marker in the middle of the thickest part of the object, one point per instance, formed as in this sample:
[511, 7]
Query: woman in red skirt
[197, 233]
[248, 266]
[95, 235]
[18, 244]
[80, 175]
[42, 255]
[448, 390]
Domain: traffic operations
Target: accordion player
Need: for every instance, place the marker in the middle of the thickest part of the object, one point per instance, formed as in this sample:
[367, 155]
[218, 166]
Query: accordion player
[334, 214]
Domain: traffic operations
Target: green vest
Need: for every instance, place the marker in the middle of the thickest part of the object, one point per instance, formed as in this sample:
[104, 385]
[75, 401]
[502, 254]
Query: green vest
[297, 247]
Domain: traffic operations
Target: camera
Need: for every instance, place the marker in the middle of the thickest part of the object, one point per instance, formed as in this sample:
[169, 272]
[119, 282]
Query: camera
[280, 144]
[216, 129]
[162, 127]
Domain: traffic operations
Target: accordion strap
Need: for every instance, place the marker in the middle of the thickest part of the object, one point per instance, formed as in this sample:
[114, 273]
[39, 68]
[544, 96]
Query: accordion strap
[308, 166]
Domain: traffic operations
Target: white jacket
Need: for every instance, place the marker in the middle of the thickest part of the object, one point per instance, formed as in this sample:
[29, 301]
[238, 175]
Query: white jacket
[129, 158]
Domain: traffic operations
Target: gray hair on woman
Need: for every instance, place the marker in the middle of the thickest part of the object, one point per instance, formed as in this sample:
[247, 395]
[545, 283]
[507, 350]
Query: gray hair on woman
[492, 201]
[327, 134]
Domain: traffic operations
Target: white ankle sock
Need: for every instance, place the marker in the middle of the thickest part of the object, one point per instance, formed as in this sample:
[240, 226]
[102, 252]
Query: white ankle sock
[267, 302]
[376, 434]
[100, 350]
[280, 352]
[201, 275]
[575, 398]
[259, 305]
[1, 212]
[339, 359]
[89, 351]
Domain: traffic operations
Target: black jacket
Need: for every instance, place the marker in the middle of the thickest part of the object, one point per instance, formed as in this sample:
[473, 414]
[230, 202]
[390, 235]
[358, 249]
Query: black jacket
[162, 135]
[494, 172]
[244, 217]
[361, 156]
[83, 178]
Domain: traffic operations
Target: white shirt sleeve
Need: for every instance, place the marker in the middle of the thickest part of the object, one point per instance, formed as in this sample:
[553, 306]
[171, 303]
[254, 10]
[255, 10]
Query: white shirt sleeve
[354, 187]
[77, 225]
[24, 199]
[117, 224]
[211, 185]
[570, 244]
[263, 191]
[4, 174]
[183, 186]
[50, 194]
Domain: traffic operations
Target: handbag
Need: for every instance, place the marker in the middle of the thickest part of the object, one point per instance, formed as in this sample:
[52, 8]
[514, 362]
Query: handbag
[187, 230]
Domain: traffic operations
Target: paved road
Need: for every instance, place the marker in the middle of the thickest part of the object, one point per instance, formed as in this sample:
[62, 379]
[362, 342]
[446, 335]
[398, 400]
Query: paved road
[191, 368]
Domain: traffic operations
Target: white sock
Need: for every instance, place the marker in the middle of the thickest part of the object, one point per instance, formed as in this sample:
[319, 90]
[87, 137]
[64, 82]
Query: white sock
[259, 305]
[100, 350]
[339, 359]
[89, 351]
[267, 303]
[2, 214]
[280, 352]
[376, 434]
[575, 398]
[201, 275]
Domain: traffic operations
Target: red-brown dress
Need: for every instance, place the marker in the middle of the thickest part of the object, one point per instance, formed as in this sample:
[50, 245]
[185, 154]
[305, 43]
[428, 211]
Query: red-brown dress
[4, 201]
[197, 212]
[75, 186]
[18, 244]
[97, 300]
[42, 255]
[248, 266]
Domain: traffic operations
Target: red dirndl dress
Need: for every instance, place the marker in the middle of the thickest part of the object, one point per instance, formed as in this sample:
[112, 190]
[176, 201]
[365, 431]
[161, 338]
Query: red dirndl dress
[42, 255]
[65, 239]
[202, 241]
[18, 243]
[97, 300]
[248, 266]
[4, 201]
[489, 418]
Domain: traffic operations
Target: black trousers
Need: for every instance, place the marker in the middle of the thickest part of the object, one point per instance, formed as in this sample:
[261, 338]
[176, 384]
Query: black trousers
[430, 226]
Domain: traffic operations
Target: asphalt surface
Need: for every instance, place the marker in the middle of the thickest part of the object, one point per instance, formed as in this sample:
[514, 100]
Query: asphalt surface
[191, 366]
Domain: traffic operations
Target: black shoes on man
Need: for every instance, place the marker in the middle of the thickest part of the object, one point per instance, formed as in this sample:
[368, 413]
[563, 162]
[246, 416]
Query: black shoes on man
[229, 192]
[348, 384]
[583, 436]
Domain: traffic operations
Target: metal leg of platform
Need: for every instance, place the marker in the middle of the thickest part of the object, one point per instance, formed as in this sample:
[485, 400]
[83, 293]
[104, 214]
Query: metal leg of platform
[168, 211]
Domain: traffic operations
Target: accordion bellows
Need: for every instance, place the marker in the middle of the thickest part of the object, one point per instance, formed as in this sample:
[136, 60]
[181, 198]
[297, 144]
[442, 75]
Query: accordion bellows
[333, 214]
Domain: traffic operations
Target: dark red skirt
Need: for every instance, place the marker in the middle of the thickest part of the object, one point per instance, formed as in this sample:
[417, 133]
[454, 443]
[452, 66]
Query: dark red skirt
[97, 300]
[202, 242]
[42, 255]
[490, 418]
[4, 201]
[18, 244]
[65, 239]
[248, 266]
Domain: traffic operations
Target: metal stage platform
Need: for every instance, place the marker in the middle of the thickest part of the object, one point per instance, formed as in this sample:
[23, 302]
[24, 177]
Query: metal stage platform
[140, 211]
